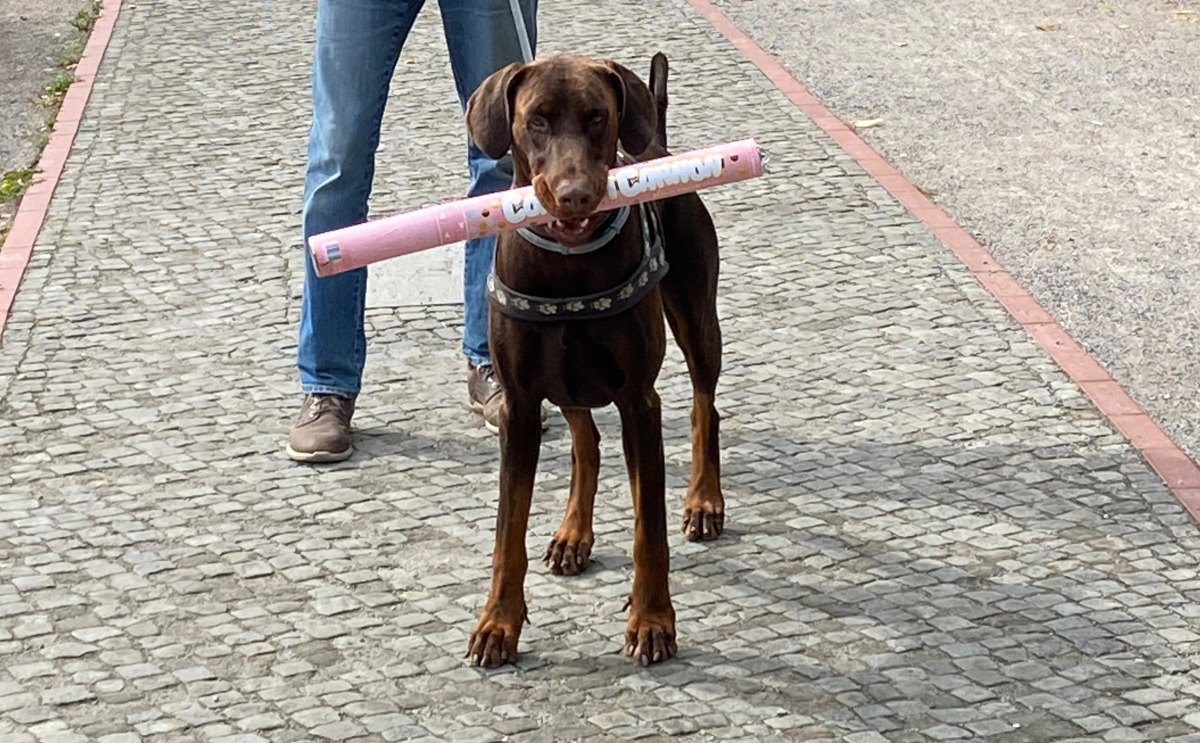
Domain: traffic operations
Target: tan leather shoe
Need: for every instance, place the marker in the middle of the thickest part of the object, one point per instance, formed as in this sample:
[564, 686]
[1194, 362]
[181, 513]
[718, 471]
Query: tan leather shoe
[486, 396]
[322, 432]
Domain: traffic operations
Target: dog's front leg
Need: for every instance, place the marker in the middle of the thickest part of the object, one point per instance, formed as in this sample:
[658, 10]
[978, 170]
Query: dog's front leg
[650, 632]
[570, 550]
[495, 638]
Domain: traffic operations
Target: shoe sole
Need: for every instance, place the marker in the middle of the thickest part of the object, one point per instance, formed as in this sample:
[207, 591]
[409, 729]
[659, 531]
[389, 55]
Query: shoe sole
[319, 457]
[478, 408]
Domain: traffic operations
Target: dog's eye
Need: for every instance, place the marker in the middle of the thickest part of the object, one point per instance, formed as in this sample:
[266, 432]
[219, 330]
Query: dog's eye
[538, 124]
[596, 120]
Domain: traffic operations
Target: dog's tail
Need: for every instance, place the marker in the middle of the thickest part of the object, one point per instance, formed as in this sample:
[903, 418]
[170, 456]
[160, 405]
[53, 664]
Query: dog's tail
[658, 88]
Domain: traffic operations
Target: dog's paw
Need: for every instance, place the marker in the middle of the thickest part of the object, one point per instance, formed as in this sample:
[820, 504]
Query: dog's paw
[650, 636]
[570, 552]
[494, 641]
[703, 517]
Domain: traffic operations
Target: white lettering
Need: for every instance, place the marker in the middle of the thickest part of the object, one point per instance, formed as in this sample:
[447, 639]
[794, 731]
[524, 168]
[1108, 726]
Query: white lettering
[511, 206]
[655, 179]
[716, 164]
[518, 209]
[627, 182]
[633, 181]
[533, 207]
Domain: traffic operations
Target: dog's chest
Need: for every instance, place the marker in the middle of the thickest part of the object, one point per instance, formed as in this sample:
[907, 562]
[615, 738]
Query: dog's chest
[589, 364]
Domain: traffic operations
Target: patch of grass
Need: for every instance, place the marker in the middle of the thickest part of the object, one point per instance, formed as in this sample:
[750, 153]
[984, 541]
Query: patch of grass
[86, 17]
[70, 52]
[52, 94]
[43, 137]
[15, 182]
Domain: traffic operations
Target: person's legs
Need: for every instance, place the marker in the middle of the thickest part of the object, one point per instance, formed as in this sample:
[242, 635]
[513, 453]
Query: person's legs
[482, 39]
[357, 45]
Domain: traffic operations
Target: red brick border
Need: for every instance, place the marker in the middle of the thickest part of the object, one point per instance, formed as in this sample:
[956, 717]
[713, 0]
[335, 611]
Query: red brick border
[1174, 466]
[18, 245]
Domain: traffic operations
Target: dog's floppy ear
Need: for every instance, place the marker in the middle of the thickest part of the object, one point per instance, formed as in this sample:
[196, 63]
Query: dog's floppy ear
[639, 115]
[489, 110]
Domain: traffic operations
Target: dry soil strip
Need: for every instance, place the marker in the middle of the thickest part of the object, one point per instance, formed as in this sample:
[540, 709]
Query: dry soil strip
[18, 245]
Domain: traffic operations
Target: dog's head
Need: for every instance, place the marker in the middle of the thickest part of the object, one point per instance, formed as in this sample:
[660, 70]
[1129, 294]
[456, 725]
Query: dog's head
[563, 117]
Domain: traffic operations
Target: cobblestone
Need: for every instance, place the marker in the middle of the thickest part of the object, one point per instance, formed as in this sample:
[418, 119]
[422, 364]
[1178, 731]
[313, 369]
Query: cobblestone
[932, 534]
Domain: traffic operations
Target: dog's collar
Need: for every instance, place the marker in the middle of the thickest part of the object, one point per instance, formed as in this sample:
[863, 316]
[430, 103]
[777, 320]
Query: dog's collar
[593, 306]
[614, 221]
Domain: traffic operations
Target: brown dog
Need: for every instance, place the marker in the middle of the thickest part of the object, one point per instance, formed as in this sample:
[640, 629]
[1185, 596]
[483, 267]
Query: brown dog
[563, 117]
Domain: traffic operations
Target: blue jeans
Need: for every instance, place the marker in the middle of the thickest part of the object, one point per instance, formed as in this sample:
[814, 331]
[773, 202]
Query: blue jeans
[357, 45]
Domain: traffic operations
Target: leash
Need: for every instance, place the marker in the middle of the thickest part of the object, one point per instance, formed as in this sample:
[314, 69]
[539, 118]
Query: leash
[522, 31]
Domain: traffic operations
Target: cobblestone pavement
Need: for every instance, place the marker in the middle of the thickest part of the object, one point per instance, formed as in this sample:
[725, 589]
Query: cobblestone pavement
[933, 535]
[1072, 154]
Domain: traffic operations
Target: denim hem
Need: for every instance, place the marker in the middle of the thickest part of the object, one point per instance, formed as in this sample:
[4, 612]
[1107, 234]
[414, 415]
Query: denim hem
[319, 389]
[476, 359]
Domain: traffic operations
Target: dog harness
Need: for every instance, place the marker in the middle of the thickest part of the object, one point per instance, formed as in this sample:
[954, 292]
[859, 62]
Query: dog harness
[593, 306]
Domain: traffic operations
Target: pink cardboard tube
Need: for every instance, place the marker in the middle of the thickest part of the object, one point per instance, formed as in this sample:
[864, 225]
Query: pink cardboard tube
[431, 226]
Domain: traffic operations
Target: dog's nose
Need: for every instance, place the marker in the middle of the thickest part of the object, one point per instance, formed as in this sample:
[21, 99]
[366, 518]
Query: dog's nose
[574, 196]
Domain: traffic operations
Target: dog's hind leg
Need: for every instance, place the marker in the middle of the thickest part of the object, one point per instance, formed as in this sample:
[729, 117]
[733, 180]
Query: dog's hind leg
[689, 293]
[570, 550]
[700, 340]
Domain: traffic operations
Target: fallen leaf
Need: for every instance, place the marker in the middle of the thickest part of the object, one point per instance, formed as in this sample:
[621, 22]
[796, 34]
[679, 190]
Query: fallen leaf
[1047, 27]
[867, 123]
